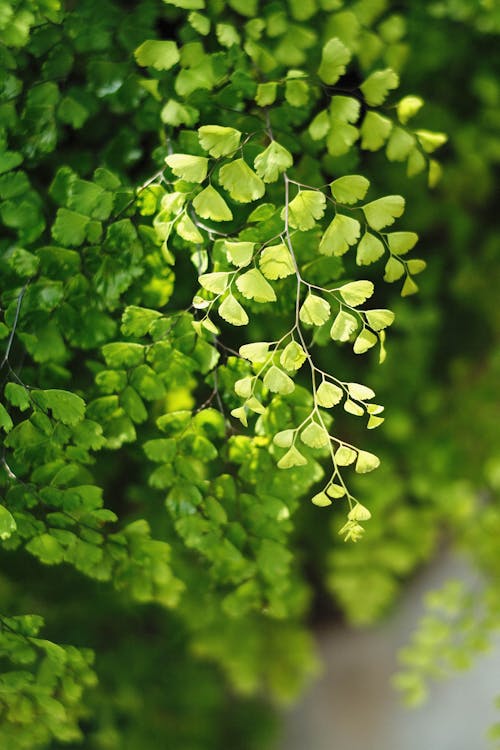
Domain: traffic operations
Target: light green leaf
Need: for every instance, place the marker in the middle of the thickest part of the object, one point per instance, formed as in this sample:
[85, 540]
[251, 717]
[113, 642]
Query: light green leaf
[186, 229]
[353, 408]
[293, 356]
[366, 462]
[227, 36]
[255, 405]
[276, 262]
[334, 58]
[266, 94]
[256, 352]
[239, 253]
[253, 285]
[241, 414]
[342, 232]
[382, 212]
[379, 319]
[335, 490]
[292, 458]
[7, 523]
[359, 513]
[46, 548]
[321, 499]
[409, 287]
[17, 395]
[188, 167]
[399, 145]
[303, 211]
[401, 243]
[233, 312]
[356, 292]
[315, 311]
[343, 326]
[200, 23]
[297, 92]
[369, 250]
[344, 108]
[215, 282]
[218, 140]
[284, 439]
[329, 395]
[315, 436]
[241, 182]
[360, 392]
[278, 382]
[350, 189]
[374, 131]
[364, 341]
[416, 266]
[374, 422]
[394, 269]
[64, 405]
[187, 4]
[341, 137]
[430, 140]
[408, 107]
[376, 87]
[209, 204]
[416, 163]
[345, 456]
[243, 387]
[156, 54]
[320, 126]
[272, 162]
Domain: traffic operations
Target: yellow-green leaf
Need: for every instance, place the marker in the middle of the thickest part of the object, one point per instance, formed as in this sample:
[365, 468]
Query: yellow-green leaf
[382, 212]
[253, 285]
[315, 436]
[366, 462]
[329, 395]
[218, 140]
[276, 262]
[233, 312]
[334, 58]
[343, 326]
[315, 311]
[369, 250]
[274, 160]
[188, 167]
[305, 209]
[342, 232]
[292, 458]
[376, 87]
[356, 292]
[293, 356]
[241, 182]
[350, 188]
[215, 282]
[239, 253]
[209, 204]
[278, 381]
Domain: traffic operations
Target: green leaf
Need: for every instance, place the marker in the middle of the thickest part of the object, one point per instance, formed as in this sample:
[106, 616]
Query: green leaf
[356, 292]
[46, 548]
[158, 55]
[340, 235]
[277, 381]
[241, 182]
[69, 228]
[266, 94]
[366, 462]
[345, 456]
[284, 439]
[359, 513]
[343, 326]
[430, 140]
[227, 36]
[394, 269]
[305, 209]
[209, 204]
[416, 266]
[200, 23]
[335, 490]
[409, 287]
[276, 262]
[233, 312]
[64, 405]
[292, 458]
[315, 311]
[341, 137]
[255, 405]
[344, 108]
[320, 126]
[376, 87]
[123, 354]
[369, 250]
[188, 167]
[187, 4]
[401, 243]
[321, 499]
[353, 408]
[215, 282]
[329, 395]
[364, 341]
[297, 93]
[334, 58]
[257, 352]
[218, 140]
[239, 253]
[379, 319]
[186, 229]
[293, 356]
[408, 107]
[383, 211]
[374, 131]
[243, 387]
[17, 395]
[399, 145]
[7, 523]
[272, 162]
[137, 321]
[253, 285]
[350, 189]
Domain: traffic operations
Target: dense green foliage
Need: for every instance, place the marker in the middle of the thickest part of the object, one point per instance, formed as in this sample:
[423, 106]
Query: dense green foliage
[202, 202]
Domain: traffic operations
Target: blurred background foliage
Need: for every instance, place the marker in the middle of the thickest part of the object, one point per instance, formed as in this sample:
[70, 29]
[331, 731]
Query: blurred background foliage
[440, 447]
